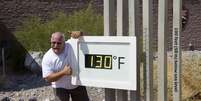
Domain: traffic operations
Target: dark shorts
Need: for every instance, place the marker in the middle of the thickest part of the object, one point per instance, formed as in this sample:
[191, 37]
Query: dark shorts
[77, 94]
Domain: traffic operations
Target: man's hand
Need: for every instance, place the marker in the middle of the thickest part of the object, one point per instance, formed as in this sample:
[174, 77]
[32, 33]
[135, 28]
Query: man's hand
[75, 34]
[67, 70]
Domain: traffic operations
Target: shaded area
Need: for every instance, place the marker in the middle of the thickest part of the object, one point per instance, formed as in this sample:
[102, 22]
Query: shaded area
[22, 82]
[17, 75]
[14, 52]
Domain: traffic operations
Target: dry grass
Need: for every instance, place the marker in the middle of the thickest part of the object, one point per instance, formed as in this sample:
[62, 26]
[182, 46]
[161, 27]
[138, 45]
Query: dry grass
[190, 77]
[191, 74]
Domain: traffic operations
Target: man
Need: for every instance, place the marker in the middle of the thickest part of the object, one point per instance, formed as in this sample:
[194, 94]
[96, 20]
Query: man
[56, 68]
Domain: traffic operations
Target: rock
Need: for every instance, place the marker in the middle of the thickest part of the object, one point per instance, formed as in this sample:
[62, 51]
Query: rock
[33, 61]
[33, 99]
[23, 86]
[21, 99]
[6, 99]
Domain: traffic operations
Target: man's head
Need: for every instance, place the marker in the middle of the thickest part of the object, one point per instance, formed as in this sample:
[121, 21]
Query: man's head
[57, 42]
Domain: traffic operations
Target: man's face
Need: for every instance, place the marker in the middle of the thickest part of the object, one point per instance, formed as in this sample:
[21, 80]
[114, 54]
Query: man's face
[57, 43]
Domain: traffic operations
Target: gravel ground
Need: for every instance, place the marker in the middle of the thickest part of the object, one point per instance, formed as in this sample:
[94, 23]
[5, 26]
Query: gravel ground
[33, 88]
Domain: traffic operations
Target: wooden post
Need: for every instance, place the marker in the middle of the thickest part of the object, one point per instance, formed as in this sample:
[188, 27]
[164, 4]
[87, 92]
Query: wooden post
[162, 49]
[176, 50]
[122, 29]
[109, 29]
[134, 30]
[147, 37]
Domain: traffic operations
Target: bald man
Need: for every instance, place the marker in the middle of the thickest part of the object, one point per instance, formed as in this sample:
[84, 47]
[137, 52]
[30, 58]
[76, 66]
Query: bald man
[56, 67]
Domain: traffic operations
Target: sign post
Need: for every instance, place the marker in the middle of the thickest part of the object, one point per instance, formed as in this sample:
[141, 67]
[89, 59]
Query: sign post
[122, 29]
[109, 30]
[162, 50]
[134, 30]
[176, 50]
[147, 49]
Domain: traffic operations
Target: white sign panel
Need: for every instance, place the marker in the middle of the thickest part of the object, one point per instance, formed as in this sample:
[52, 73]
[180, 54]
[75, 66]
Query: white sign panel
[107, 61]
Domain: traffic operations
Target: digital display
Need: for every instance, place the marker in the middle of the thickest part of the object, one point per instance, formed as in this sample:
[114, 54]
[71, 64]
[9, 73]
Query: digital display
[97, 61]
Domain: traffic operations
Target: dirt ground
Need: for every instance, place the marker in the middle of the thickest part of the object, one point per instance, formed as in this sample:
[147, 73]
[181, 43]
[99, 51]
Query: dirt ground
[31, 87]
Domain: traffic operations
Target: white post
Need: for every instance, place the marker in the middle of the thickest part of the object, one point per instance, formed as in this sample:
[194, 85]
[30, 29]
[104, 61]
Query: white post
[134, 30]
[109, 29]
[109, 17]
[122, 17]
[132, 17]
[147, 37]
[176, 50]
[122, 29]
[3, 62]
[162, 50]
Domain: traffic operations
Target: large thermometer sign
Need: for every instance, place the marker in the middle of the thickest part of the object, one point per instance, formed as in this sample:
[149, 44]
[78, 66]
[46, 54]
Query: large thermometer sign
[107, 61]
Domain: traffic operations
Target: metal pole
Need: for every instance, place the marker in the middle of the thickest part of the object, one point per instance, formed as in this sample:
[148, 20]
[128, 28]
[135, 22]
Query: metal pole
[147, 39]
[3, 61]
[162, 50]
[134, 30]
[109, 29]
[176, 50]
[122, 29]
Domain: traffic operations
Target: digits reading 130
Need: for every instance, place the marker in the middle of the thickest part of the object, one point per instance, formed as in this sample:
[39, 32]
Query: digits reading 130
[98, 61]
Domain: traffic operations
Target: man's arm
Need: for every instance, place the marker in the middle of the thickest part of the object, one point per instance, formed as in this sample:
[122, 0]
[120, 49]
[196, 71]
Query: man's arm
[57, 75]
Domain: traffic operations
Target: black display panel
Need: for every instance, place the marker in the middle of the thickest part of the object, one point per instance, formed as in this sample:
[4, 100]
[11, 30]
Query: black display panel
[98, 61]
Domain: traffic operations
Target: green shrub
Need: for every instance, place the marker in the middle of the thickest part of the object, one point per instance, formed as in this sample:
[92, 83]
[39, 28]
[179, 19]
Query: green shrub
[34, 34]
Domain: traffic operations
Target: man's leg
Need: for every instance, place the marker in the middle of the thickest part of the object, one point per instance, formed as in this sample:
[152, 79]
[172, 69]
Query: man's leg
[79, 94]
[61, 94]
